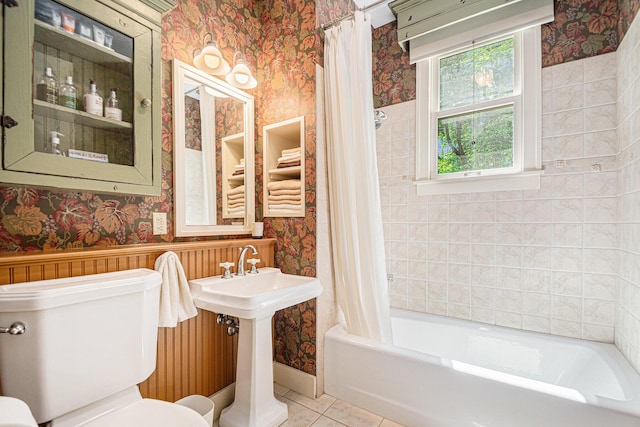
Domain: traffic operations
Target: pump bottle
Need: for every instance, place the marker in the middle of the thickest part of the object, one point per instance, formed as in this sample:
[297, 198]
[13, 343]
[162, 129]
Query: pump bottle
[92, 101]
[54, 143]
[112, 111]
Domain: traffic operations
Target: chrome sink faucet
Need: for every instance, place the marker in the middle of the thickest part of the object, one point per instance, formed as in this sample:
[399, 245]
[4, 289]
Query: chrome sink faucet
[243, 252]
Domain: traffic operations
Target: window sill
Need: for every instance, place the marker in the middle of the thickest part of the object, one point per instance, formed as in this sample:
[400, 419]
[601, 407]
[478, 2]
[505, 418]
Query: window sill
[529, 180]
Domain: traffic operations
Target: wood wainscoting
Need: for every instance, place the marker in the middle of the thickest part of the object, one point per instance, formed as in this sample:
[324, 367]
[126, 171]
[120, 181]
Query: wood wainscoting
[197, 357]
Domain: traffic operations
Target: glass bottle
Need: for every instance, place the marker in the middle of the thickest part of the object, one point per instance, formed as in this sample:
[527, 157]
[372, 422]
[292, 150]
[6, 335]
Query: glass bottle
[68, 94]
[54, 143]
[112, 110]
[47, 88]
[92, 100]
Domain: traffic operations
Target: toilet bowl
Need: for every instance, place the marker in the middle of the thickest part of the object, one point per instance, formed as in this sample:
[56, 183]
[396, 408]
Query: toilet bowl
[129, 409]
[87, 342]
[15, 413]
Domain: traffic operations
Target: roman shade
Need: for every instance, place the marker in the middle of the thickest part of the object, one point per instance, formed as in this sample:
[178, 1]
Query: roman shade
[430, 27]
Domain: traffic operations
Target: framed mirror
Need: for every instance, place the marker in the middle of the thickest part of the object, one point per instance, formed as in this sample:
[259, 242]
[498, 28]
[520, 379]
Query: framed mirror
[213, 155]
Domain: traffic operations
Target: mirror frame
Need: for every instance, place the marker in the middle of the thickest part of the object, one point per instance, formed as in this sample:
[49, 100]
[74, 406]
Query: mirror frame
[181, 72]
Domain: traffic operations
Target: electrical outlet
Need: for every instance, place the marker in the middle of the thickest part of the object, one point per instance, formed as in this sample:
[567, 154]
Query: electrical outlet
[159, 223]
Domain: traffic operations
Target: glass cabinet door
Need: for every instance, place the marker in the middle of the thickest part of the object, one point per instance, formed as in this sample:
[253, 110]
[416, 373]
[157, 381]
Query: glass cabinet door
[64, 60]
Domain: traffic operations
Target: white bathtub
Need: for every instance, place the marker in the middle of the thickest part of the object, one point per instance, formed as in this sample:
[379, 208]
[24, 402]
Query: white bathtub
[448, 372]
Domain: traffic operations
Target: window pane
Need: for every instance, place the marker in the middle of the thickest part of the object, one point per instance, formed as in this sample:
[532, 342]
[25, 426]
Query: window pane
[476, 141]
[477, 75]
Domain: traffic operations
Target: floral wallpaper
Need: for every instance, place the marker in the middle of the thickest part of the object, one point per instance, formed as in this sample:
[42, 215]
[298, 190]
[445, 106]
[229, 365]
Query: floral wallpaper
[394, 79]
[581, 28]
[628, 10]
[286, 68]
[193, 124]
[35, 219]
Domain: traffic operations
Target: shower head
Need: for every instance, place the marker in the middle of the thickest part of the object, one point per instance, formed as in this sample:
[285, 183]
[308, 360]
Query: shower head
[379, 116]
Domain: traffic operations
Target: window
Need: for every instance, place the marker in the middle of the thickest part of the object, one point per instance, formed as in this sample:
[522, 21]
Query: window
[479, 117]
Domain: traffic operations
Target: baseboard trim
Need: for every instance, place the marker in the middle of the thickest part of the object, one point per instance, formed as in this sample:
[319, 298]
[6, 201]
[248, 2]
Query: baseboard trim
[294, 379]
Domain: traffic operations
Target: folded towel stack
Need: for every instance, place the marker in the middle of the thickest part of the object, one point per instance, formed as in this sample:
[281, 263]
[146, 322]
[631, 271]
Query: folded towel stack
[239, 168]
[284, 195]
[289, 158]
[235, 200]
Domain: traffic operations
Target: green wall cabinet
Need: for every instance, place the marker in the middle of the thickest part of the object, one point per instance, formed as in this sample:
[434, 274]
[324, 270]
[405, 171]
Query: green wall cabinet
[116, 44]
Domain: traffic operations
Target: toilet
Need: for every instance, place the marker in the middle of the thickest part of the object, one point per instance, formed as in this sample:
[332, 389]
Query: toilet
[89, 340]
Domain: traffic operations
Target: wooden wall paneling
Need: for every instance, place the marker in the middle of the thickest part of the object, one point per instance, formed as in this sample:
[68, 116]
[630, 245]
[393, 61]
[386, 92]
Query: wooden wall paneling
[196, 357]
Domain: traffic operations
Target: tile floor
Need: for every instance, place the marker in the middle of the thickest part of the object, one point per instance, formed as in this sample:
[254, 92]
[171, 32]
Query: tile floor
[325, 411]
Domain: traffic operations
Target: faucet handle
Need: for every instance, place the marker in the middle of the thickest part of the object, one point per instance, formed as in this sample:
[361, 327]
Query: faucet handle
[253, 262]
[227, 272]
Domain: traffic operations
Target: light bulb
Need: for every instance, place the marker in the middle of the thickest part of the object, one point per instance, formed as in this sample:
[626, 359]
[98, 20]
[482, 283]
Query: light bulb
[241, 76]
[210, 59]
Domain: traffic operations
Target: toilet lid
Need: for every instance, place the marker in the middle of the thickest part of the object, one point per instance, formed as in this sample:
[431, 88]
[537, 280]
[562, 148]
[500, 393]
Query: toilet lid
[150, 412]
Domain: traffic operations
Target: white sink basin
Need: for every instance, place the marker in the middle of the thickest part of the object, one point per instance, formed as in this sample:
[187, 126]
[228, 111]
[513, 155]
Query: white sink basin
[254, 298]
[253, 295]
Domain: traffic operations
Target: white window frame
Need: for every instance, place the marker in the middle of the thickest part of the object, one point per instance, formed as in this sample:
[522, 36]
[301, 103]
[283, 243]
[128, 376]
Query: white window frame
[527, 168]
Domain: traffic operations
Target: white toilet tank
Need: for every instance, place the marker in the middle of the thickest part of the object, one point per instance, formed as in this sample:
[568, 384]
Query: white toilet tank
[86, 338]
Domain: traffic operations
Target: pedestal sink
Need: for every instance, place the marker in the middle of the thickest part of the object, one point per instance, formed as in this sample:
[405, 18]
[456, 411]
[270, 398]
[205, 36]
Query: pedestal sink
[254, 298]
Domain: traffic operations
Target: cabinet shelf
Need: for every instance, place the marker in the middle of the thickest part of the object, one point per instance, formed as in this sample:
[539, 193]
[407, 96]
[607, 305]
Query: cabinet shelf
[66, 114]
[87, 49]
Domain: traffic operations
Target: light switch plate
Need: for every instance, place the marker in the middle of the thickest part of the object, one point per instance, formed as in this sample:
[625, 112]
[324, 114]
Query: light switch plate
[159, 223]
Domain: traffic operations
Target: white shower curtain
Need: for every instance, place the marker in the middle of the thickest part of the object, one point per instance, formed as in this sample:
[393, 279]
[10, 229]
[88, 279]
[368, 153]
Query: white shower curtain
[354, 195]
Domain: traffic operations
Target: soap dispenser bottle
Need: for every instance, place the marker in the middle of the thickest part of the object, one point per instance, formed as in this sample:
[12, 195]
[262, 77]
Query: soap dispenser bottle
[112, 110]
[47, 88]
[54, 143]
[92, 101]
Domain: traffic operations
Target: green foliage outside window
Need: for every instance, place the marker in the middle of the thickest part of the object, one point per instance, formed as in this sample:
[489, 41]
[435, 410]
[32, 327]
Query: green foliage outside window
[482, 138]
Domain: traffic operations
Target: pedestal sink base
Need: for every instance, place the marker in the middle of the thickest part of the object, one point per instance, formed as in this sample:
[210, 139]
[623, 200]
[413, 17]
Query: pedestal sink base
[254, 299]
[272, 416]
[255, 404]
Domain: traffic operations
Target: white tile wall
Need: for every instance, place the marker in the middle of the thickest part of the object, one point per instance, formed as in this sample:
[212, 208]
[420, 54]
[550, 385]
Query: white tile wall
[543, 260]
[627, 333]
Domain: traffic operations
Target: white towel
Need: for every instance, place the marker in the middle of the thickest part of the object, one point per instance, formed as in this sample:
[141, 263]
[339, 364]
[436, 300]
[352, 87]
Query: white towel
[235, 210]
[296, 192]
[283, 207]
[176, 303]
[289, 157]
[239, 189]
[288, 184]
[291, 151]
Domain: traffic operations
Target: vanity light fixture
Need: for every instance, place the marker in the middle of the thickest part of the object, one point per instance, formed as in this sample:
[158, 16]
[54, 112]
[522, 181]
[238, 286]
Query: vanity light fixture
[241, 76]
[209, 59]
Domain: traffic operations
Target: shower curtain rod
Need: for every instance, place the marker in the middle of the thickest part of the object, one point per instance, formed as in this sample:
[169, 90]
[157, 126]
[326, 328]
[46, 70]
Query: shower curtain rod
[330, 24]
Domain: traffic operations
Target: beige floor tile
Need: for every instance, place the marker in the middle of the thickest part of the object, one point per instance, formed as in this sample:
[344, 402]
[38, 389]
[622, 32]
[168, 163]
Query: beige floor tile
[299, 416]
[279, 390]
[325, 411]
[319, 405]
[326, 422]
[352, 415]
[389, 423]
